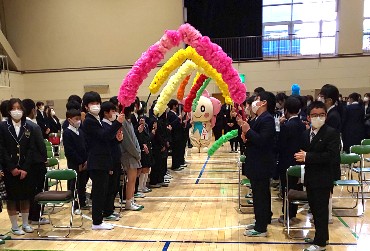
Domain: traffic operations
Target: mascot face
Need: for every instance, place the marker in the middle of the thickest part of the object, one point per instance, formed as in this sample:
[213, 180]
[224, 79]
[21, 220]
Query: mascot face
[204, 111]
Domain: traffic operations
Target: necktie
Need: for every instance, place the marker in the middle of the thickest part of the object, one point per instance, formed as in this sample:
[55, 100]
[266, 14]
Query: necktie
[312, 135]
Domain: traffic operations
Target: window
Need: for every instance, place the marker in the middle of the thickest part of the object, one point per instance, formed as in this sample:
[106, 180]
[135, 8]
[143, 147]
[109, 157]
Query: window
[366, 37]
[299, 27]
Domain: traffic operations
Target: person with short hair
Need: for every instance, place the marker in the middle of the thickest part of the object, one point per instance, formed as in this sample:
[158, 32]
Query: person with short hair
[99, 160]
[75, 148]
[3, 110]
[38, 167]
[260, 162]
[41, 119]
[320, 149]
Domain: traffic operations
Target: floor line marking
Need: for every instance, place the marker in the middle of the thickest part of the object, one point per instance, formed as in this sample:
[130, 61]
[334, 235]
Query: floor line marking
[166, 245]
[346, 225]
[201, 171]
[177, 241]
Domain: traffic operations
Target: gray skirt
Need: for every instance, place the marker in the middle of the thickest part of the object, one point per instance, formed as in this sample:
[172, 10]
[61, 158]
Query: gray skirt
[130, 162]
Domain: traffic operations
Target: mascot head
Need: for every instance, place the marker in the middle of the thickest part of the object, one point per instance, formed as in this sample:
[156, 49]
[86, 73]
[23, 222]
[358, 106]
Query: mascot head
[207, 109]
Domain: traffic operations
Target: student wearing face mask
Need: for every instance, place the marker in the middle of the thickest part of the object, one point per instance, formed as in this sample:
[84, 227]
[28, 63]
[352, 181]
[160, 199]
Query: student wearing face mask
[17, 141]
[260, 162]
[76, 153]
[320, 153]
[52, 120]
[353, 122]
[329, 95]
[99, 160]
[108, 114]
[41, 119]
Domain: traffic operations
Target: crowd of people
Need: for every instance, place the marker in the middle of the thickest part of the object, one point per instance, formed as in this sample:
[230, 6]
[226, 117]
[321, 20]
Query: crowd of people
[103, 140]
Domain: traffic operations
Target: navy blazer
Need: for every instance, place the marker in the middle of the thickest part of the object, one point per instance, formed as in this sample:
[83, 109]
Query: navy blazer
[333, 119]
[289, 142]
[115, 145]
[39, 154]
[98, 142]
[353, 130]
[322, 163]
[75, 148]
[18, 150]
[175, 122]
[260, 155]
[42, 122]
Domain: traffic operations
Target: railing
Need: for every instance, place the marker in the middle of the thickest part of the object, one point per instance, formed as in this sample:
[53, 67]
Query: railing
[265, 48]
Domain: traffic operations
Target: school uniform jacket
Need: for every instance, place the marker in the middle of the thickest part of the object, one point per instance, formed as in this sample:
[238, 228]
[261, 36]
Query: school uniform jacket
[41, 121]
[75, 148]
[322, 157]
[39, 153]
[98, 142]
[260, 161]
[334, 119]
[353, 130]
[18, 150]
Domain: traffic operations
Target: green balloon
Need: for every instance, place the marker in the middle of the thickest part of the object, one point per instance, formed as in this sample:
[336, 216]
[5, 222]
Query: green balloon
[199, 93]
[224, 138]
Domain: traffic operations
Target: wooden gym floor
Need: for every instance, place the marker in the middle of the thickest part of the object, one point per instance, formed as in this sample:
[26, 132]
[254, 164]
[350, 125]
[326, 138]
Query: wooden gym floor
[198, 211]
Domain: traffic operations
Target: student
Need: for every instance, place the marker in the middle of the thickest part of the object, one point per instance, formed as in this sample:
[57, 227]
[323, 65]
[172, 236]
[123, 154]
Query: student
[41, 119]
[76, 153]
[3, 110]
[320, 149]
[108, 114]
[329, 95]
[38, 167]
[99, 160]
[367, 114]
[146, 160]
[260, 162]
[69, 106]
[16, 139]
[289, 143]
[176, 134]
[231, 124]
[353, 131]
[130, 159]
[52, 120]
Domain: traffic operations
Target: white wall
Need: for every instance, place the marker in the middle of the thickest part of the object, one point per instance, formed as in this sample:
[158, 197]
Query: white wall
[55, 34]
[348, 74]
[16, 89]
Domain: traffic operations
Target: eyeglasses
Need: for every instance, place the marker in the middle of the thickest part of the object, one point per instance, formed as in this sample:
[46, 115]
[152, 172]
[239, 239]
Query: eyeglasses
[315, 115]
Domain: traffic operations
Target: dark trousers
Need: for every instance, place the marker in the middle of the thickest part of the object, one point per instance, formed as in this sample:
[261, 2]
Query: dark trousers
[318, 199]
[113, 187]
[234, 144]
[82, 178]
[261, 203]
[158, 169]
[292, 185]
[99, 188]
[217, 131]
[37, 177]
[176, 153]
[183, 148]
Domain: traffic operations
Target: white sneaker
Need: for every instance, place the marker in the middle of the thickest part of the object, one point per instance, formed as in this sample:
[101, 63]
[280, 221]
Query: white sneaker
[111, 217]
[102, 226]
[77, 212]
[314, 248]
[138, 205]
[167, 181]
[27, 229]
[167, 177]
[146, 190]
[17, 231]
[43, 221]
[250, 226]
[139, 195]
[133, 207]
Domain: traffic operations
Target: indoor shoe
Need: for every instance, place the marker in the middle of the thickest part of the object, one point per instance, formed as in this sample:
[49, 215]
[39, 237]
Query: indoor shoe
[163, 184]
[2, 242]
[5, 237]
[17, 231]
[27, 229]
[146, 190]
[249, 227]
[111, 217]
[167, 177]
[138, 205]
[314, 248]
[133, 207]
[139, 195]
[310, 240]
[43, 221]
[102, 226]
[254, 233]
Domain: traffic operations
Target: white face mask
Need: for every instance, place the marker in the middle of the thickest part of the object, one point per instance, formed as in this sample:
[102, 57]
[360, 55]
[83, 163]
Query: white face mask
[114, 117]
[317, 122]
[366, 99]
[41, 109]
[77, 124]
[94, 109]
[279, 106]
[52, 113]
[255, 107]
[16, 114]
[321, 99]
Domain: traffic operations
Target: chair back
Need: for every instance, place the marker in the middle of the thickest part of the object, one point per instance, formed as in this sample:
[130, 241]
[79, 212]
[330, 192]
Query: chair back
[295, 171]
[360, 149]
[47, 142]
[52, 162]
[365, 142]
[61, 174]
[49, 154]
[350, 158]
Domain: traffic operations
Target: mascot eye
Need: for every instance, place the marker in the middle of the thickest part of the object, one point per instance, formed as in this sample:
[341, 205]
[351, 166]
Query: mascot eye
[202, 108]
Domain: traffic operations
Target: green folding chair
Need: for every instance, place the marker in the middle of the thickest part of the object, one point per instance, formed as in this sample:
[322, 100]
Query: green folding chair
[52, 198]
[366, 142]
[361, 170]
[350, 160]
[296, 197]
